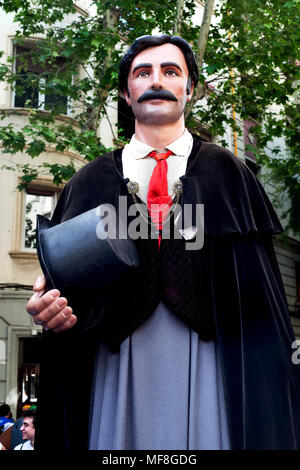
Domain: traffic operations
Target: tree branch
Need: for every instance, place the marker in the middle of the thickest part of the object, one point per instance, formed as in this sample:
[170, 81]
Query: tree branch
[178, 19]
[201, 46]
[110, 19]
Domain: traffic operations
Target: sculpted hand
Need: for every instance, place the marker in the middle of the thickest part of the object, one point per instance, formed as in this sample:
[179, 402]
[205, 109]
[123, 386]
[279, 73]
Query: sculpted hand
[49, 309]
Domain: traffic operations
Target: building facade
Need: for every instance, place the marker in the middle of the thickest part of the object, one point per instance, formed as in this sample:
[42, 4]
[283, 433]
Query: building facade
[19, 336]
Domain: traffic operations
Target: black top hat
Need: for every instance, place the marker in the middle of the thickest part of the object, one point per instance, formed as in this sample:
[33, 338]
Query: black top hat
[80, 253]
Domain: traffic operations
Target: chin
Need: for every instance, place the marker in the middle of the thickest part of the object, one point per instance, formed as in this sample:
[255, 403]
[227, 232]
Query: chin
[158, 112]
[157, 117]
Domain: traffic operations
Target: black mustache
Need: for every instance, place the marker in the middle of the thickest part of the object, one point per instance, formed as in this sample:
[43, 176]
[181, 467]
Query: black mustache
[157, 95]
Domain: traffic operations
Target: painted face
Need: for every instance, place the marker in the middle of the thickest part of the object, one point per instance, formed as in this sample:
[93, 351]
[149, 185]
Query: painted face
[27, 429]
[157, 84]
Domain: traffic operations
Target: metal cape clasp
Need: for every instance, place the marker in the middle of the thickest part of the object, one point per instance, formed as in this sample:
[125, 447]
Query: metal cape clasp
[177, 187]
[132, 187]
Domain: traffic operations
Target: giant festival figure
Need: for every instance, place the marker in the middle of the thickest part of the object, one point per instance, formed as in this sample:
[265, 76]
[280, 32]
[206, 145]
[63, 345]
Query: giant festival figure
[193, 348]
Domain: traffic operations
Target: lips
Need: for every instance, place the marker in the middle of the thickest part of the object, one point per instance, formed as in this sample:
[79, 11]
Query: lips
[158, 99]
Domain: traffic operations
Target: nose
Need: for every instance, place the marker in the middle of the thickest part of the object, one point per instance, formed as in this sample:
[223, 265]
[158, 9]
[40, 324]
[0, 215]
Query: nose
[156, 80]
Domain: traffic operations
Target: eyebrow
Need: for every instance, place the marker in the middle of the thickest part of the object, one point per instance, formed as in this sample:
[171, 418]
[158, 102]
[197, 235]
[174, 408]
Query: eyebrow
[147, 65]
[171, 64]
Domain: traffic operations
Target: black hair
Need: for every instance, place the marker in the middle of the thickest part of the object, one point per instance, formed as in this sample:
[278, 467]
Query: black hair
[4, 409]
[30, 414]
[144, 42]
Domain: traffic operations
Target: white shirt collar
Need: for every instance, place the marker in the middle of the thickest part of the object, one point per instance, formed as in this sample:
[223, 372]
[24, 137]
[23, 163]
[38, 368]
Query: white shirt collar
[179, 147]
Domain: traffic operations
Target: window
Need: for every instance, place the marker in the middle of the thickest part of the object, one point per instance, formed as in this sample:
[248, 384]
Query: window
[33, 80]
[36, 201]
[40, 197]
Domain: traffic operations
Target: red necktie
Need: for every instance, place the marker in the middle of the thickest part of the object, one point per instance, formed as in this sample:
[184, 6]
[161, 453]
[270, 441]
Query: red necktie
[158, 190]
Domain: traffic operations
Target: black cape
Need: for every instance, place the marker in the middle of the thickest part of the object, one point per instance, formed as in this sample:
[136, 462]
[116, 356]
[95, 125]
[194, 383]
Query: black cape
[253, 327]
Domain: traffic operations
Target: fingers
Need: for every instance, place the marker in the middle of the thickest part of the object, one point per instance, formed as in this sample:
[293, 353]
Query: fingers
[39, 283]
[67, 324]
[58, 319]
[55, 315]
[41, 300]
[51, 311]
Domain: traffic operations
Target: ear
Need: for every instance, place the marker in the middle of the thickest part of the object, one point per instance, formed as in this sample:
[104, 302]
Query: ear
[190, 90]
[127, 96]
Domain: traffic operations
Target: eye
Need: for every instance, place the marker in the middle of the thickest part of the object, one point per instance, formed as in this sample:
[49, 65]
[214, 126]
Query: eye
[144, 73]
[171, 73]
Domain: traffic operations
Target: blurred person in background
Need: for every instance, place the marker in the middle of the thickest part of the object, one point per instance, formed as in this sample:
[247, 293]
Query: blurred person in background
[28, 431]
[5, 418]
[12, 437]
